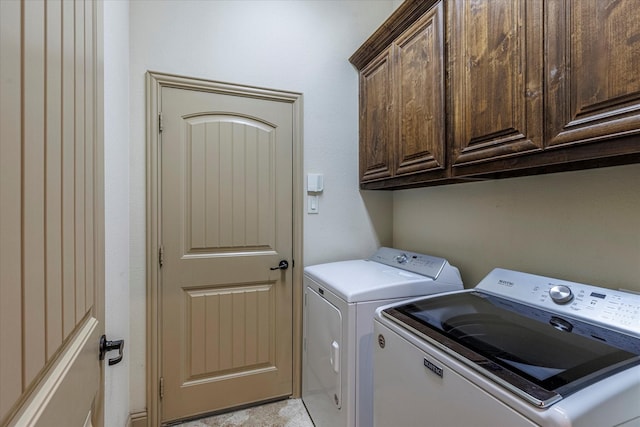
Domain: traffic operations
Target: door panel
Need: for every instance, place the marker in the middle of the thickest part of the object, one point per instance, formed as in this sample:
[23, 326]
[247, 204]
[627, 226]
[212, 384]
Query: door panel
[496, 79]
[228, 328]
[226, 219]
[10, 208]
[376, 119]
[51, 213]
[229, 183]
[324, 347]
[419, 61]
[592, 71]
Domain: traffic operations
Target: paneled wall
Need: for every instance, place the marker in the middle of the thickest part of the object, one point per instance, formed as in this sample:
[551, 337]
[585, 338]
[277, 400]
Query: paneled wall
[49, 165]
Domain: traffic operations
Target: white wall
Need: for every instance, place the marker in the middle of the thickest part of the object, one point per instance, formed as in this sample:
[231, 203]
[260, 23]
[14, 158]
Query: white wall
[116, 157]
[581, 226]
[301, 46]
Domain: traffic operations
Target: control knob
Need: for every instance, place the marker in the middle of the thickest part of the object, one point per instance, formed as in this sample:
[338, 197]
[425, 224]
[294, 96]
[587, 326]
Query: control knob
[402, 259]
[561, 294]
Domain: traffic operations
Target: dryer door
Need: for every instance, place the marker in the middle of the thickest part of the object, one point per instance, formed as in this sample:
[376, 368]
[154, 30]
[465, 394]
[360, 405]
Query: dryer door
[322, 354]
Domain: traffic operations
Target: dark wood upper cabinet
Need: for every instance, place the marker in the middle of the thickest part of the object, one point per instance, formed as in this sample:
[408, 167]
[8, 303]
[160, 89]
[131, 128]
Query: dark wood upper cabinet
[496, 79]
[419, 95]
[402, 127]
[592, 71]
[457, 90]
[376, 119]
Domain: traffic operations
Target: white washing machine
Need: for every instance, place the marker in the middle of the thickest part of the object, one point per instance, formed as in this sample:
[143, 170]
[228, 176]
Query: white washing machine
[340, 299]
[517, 350]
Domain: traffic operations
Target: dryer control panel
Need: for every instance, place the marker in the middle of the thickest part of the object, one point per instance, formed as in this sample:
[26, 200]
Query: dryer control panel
[425, 265]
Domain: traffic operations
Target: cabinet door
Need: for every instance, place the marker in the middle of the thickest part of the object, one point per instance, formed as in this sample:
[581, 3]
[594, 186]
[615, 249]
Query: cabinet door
[496, 79]
[592, 70]
[418, 62]
[376, 119]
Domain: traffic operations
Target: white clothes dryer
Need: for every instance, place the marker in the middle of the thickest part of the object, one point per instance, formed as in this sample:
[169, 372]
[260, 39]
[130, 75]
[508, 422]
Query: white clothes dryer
[340, 299]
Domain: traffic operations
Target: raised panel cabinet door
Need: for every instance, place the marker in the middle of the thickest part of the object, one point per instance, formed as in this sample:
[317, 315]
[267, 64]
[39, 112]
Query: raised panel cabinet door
[496, 79]
[592, 68]
[419, 65]
[376, 119]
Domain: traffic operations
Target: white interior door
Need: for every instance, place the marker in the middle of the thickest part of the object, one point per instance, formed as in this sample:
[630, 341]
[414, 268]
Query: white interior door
[226, 223]
[51, 213]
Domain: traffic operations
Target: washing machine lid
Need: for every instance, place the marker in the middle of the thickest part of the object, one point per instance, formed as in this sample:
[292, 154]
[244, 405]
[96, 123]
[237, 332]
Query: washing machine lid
[509, 329]
[366, 280]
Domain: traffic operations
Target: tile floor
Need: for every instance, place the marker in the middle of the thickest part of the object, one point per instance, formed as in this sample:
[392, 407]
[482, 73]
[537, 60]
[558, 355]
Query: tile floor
[285, 413]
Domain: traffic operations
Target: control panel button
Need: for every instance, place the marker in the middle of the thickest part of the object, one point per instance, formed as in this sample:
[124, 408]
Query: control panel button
[560, 294]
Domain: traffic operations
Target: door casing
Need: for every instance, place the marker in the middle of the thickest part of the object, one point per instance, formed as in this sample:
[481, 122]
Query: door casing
[155, 81]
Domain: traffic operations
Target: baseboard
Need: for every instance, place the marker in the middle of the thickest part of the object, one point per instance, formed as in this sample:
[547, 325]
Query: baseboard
[138, 419]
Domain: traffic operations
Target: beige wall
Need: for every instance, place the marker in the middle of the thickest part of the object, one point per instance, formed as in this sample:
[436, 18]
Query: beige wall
[580, 226]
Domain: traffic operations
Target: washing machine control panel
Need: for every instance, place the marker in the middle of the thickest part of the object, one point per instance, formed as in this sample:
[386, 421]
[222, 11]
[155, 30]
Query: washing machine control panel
[607, 307]
[425, 265]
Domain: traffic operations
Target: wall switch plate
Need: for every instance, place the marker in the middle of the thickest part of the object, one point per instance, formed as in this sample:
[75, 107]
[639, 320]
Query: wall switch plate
[312, 204]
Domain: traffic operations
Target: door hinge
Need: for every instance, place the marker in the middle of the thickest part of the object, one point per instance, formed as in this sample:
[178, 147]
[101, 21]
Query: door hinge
[161, 388]
[161, 255]
[160, 126]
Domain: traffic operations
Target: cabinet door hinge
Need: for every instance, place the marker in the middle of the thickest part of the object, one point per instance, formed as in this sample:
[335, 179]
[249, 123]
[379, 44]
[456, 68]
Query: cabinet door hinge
[161, 387]
[161, 255]
[160, 125]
